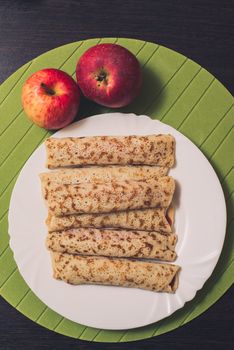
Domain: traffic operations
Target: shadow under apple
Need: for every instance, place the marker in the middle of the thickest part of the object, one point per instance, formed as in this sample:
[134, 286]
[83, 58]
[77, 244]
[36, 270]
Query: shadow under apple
[151, 95]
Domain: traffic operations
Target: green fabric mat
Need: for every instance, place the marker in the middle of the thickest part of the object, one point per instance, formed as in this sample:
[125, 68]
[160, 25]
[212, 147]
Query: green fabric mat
[176, 91]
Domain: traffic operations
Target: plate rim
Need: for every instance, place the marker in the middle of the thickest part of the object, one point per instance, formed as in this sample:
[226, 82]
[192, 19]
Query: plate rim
[152, 121]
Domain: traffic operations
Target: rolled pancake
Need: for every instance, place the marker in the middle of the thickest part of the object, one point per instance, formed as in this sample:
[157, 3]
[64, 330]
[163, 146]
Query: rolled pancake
[144, 219]
[114, 243]
[107, 150]
[102, 174]
[110, 196]
[75, 269]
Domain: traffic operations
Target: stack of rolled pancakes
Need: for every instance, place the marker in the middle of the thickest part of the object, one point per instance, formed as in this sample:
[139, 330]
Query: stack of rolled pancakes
[109, 215]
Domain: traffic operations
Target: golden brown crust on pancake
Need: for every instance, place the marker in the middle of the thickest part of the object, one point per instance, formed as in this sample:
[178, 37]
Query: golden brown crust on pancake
[107, 150]
[115, 243]
[75, 269]
[109, 197]
[143, 219]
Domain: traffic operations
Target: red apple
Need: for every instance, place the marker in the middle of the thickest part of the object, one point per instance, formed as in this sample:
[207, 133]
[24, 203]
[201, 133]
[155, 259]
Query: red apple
[109, 74]
[51, 98]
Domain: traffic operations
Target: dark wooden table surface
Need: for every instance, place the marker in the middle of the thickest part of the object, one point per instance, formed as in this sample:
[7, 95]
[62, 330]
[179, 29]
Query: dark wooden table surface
[201, 30]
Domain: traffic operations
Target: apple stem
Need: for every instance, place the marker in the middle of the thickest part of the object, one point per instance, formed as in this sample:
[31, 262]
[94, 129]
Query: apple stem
[101, 76]
[48, 90]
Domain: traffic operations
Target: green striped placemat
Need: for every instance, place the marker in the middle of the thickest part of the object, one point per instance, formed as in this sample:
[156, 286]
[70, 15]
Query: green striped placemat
[176, 91]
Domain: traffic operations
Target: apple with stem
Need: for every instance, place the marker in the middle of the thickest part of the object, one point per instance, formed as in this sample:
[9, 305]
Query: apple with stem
[51, 98]
[109, 74]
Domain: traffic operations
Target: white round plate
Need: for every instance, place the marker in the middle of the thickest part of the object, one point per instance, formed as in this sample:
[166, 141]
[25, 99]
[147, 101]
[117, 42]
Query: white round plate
[200, 222]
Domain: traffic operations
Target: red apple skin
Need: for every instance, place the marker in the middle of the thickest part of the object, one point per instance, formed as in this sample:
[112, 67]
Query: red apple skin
[51, 98]
[120, 69]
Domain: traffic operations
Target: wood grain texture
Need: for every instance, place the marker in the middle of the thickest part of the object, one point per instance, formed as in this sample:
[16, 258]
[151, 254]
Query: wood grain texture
[202, 30]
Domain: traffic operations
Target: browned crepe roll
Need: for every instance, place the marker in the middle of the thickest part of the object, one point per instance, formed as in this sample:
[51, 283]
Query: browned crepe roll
[75, 269]
[102, 174]
[108, 197]
[143, 219]
[107, 150]
[115, 243]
